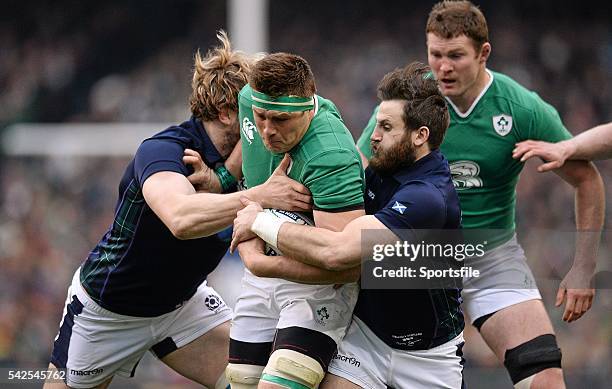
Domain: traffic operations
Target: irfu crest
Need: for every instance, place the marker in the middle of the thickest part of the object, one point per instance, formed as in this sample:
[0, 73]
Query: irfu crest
[502, 124]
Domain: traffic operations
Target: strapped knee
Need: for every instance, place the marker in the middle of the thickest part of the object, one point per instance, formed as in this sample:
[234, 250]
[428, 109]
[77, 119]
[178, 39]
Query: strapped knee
[243, 376]
[531, 357]
[293, 370]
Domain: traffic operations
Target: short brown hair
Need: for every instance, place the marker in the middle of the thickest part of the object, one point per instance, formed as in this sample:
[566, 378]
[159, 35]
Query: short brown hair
[449, 19]
[283, 74]
[424, 106]
[217, 79]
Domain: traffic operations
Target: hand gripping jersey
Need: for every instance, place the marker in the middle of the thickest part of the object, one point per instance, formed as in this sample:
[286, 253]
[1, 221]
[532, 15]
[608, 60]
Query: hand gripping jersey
[479, 144]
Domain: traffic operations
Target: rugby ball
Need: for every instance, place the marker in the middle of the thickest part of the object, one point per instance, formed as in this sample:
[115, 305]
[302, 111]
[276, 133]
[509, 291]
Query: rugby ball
[292, 217]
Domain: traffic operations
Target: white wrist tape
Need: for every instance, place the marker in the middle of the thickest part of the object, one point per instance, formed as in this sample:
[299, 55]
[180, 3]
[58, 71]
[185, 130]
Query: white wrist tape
[266, 226]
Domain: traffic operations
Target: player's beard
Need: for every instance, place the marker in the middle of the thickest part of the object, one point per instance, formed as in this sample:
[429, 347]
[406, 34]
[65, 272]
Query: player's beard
[400, 155]
[229, 141]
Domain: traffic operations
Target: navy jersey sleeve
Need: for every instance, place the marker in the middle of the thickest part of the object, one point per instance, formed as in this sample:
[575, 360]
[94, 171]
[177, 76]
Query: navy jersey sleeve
[413, 207]
[157, 155]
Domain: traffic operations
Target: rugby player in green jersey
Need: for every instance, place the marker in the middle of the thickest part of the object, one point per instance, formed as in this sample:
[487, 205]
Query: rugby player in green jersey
[490, 114]
[405, 338]
[293, 329]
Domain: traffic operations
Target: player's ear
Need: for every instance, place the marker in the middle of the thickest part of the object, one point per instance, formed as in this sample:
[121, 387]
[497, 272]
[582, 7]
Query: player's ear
[485, 52]
[420, 136]
[227, 116]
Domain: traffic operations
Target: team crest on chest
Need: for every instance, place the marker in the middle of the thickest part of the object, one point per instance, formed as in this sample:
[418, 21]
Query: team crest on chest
[502, 124]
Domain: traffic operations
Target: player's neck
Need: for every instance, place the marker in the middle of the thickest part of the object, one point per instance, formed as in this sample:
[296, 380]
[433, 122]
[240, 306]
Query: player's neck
[465, 100]
[421, 152]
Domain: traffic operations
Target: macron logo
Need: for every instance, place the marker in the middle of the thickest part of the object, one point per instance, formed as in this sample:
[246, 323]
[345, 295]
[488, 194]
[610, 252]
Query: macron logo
[399, 207]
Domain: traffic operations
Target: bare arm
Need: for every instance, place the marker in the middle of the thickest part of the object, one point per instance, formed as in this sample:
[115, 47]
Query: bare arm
[317, 270]
[188, 214]
[590, 207]
[595, 143]
[331, 227]
[287, 268]
[336, 251]
[335, 221]
[319, 247]
[192, 215]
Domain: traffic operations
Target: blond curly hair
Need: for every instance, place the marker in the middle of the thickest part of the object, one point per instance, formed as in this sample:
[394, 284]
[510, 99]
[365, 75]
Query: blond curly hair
[217, 79]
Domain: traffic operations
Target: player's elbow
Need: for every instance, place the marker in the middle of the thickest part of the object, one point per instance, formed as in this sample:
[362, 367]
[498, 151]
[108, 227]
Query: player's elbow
[256, 268]
[258, 271]
[586, 176]
[592, 176]
[182, 228]
[591, 185]
[180, 234]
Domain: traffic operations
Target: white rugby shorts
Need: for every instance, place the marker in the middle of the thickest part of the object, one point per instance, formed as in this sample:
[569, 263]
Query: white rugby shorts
[367, 361]
[268, 304]
[94, 344]
[505, 280]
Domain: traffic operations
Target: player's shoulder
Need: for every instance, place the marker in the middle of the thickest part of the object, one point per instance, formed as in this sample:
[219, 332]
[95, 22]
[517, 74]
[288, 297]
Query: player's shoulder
[327, 134]
[183, 133]
[421, 192]
[513, 93]
[420, 203]
[328, 152]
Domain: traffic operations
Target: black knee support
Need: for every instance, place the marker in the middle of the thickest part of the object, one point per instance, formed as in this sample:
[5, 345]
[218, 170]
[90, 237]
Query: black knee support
[314, 344]
[532, 357]
[249, 353]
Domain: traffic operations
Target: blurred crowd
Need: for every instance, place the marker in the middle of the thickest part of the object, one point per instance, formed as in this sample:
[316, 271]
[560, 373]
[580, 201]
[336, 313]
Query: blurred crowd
[115, 61]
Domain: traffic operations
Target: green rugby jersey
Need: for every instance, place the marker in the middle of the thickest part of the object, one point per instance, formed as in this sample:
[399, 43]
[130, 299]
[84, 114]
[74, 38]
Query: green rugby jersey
[364, 140]
[326, 160]
[479, 144]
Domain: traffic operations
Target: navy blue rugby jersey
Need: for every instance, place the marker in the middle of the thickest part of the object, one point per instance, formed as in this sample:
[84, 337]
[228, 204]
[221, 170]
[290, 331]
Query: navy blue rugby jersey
[139, 268]
[421, 196]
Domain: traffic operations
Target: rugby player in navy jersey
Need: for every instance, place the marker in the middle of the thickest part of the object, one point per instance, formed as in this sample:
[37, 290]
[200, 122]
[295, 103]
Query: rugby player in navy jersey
[410, 338]
[143, 286]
